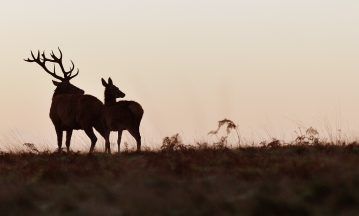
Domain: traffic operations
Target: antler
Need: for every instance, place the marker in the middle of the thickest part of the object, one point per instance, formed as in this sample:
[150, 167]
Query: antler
[41, 60]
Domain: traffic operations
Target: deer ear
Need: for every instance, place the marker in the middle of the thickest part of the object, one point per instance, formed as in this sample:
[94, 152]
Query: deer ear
[55, 83]
[104, 82]
[110, 81]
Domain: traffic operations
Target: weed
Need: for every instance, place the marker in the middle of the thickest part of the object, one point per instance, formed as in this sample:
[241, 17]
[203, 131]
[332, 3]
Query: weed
[229, 126]
[172, 143]
[311, 136]
[31, 147]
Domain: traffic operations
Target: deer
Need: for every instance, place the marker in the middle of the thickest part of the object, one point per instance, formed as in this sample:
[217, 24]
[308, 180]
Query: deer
[71, 109]
[121, 115]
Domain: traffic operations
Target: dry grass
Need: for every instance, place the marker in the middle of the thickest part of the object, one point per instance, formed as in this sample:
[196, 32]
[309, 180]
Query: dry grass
[200, 180]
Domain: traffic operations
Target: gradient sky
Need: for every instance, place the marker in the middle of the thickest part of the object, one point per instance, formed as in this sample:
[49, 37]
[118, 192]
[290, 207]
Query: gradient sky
[271, 66]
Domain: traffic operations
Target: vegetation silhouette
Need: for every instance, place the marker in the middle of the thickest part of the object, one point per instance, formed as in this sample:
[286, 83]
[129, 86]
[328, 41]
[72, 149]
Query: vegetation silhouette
[121, 115]
[184, 179]
[71, 109]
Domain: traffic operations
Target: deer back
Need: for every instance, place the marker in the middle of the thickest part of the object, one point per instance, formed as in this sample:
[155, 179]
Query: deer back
[75, 111]
[123, 115]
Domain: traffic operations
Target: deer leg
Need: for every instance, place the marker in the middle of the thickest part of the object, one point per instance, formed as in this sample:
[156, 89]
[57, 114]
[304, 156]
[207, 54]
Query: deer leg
[59, 139]
[89, 132]
[68, 139]
[106, 135]
[107, 143]
[136, 134]
[119, 140]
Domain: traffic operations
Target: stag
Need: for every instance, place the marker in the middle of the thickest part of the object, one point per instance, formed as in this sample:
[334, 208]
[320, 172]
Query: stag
[121, 115]
[71, 109]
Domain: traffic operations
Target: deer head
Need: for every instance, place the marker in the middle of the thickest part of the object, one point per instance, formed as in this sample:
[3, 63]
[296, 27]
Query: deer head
[64, 86]
[111, 91]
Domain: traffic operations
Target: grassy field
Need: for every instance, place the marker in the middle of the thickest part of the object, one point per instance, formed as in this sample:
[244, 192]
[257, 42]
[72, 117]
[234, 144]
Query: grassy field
[277, 180]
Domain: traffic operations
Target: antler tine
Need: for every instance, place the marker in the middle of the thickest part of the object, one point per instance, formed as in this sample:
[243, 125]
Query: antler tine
[60, 52]
[44, 56]
[42, 63]
[54, 57]
[72, 67]
[41, 60]
[72, 76]
[52, 54]
[52, 73]
[33, 58]
[69, 75]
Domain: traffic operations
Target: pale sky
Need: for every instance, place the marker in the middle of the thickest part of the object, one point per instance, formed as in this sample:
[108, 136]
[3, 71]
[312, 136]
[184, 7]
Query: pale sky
[270, 66]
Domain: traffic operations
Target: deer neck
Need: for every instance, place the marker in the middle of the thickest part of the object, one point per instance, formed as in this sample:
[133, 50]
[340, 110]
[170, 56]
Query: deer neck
[109, 100]
[56, 94]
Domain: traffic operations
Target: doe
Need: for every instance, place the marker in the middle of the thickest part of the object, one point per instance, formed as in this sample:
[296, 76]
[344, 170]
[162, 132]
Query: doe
[121, 115]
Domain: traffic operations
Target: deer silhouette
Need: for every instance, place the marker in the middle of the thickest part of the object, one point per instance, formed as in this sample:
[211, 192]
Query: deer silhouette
[71, 109]
[121, 115]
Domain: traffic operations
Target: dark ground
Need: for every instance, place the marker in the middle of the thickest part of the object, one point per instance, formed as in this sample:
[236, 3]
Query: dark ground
[291, 180]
